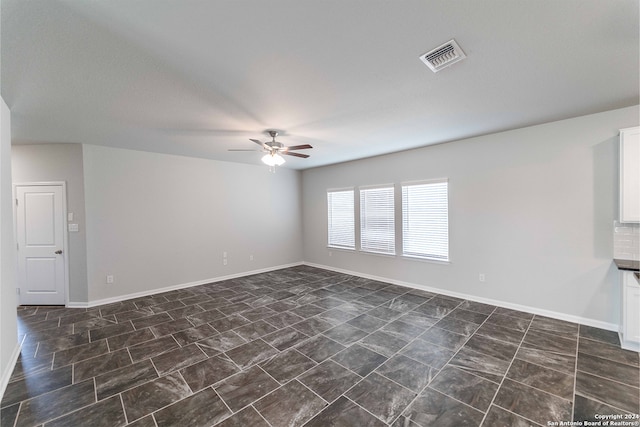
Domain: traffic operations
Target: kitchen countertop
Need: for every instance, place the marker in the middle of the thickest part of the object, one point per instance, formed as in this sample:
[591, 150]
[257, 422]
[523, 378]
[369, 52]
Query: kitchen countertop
[626, 264]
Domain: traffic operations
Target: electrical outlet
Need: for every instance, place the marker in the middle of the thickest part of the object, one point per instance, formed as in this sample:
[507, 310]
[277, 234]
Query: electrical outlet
[330, 253]
[109, 279]
[481, 277]
[224, 254]
[250, 257]
[224, 261]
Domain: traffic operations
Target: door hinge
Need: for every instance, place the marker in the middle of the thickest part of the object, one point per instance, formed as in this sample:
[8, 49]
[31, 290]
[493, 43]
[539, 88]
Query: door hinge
[17, 246]
[16, 202]
[17, 291]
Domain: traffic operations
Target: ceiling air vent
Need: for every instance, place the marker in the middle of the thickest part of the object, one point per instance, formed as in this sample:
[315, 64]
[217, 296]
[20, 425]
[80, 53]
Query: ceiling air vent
[443, 56]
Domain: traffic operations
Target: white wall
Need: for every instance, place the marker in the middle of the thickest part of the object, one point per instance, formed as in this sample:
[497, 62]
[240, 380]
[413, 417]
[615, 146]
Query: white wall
[156, 220]
[8, 318]
[60, 162]
[531, 208]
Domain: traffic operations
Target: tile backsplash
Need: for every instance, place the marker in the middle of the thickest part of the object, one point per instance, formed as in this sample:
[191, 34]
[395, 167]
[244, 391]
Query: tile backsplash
[626, 241]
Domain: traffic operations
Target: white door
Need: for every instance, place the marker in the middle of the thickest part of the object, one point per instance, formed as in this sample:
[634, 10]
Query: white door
[40, 230]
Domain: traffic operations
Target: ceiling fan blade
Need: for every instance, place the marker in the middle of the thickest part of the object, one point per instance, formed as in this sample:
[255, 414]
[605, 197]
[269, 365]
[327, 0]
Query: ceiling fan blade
[260, 143]
[304, 156]
[298, 147]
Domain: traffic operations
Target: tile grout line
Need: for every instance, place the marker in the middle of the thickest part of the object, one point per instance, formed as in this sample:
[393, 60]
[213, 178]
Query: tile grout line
[539, 389]
[517, 415]
[542, 366]
[598, 376]
[35, 354]
[397, 353]
[221, 400]
[276, 389]
[458, 400]
[66, 413]
[605, 403]
[374, 370]
[259, 414]
[159, 409]
[608, 358]
[124, 411]
[352, 401]
[212, 386]
[342, 366]
[605, 378]
[455, 352]
[15, 422]
[343, 394]
[362, 407]
[156, 369]
[309, 388]
[507, 371]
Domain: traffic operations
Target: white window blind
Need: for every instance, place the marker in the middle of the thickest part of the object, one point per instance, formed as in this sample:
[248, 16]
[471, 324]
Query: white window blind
[377, 225]
[341, 219]
[425, 220]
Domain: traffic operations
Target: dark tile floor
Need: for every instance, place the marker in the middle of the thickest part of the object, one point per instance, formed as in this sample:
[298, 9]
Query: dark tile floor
[304, 346]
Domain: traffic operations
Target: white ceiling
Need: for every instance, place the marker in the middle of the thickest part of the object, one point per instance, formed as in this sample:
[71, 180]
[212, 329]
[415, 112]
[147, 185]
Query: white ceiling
[196, 77]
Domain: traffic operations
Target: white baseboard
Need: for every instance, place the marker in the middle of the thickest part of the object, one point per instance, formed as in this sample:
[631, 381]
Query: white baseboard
[8, 370]
[505, 304]
[119, 298]
[500, 303]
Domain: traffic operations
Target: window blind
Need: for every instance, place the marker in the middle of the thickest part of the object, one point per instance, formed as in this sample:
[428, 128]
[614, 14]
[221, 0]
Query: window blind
[341, 219]
[377, 225]
[425, 220]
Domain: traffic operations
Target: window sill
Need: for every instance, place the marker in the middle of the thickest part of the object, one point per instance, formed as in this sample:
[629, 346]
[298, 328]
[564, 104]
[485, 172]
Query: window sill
[341, 248]
[382, 254]
[425, 259]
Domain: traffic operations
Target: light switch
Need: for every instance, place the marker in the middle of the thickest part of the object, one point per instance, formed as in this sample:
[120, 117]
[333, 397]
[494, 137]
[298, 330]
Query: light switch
[73, 228]
[70, 217]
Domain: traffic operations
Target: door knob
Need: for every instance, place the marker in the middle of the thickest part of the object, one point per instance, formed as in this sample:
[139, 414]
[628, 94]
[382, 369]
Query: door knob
[58, 252]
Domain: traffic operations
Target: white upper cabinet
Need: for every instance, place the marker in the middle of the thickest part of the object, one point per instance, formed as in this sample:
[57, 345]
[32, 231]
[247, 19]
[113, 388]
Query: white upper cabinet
[630, 175]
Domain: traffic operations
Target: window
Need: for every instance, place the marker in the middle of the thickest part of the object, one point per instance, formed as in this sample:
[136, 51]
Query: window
[341, 219]
[425, 220]
[377, 225]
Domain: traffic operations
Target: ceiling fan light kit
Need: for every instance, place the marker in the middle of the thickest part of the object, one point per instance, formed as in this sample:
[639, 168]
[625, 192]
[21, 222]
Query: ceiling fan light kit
[273, 159]
[274, 149]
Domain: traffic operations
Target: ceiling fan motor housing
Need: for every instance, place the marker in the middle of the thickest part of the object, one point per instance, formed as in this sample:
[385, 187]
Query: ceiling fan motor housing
[275, 145]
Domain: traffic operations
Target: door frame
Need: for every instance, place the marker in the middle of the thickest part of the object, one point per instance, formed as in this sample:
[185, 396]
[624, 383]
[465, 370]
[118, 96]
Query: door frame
[65, 242]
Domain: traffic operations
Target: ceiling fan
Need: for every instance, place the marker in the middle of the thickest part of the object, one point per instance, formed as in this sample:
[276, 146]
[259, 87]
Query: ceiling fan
[274, 149]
